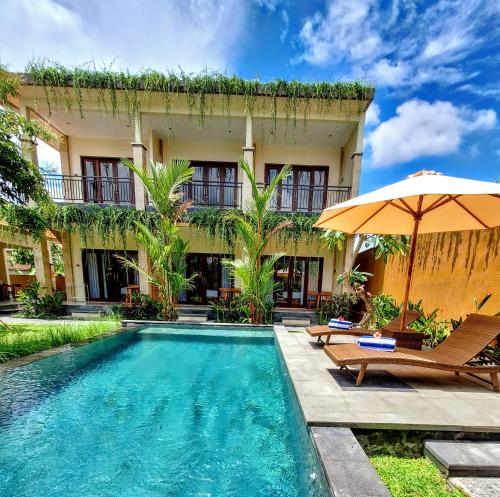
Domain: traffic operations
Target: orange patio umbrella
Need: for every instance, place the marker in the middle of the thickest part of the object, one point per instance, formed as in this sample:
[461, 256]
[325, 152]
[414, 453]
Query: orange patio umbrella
[425, 202]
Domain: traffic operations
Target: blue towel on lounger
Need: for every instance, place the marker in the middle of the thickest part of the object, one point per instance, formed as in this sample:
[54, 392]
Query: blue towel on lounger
[341, 324]
[383, 344]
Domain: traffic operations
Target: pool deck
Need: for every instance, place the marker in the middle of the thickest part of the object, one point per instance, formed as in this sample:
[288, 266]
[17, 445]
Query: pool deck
[395, 397]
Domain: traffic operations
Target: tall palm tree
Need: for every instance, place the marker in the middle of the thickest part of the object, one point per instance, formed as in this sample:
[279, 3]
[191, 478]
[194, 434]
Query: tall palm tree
[163, 243]
[255, 231]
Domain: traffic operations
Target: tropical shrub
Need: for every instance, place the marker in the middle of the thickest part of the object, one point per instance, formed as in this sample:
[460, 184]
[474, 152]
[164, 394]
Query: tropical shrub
[341, 304]
[35, 305]
[254, 232]
[162, 242]
[231, 310]
[143, 307]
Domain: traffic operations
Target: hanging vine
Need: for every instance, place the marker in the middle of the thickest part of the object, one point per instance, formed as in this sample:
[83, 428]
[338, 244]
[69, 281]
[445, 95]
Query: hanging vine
[124, 91]
[113, 224]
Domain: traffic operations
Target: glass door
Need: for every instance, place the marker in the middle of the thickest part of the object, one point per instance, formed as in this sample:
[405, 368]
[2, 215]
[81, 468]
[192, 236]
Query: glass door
[294, 277]
[210, 276]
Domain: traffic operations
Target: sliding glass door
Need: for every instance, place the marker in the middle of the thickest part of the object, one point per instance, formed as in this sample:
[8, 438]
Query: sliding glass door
[294, 277]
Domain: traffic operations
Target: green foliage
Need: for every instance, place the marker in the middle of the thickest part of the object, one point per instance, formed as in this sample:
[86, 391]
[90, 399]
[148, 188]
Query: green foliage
[255, 274]
[143, 307]
[353, 276]
[341, 304]
[455, 323]
[333, 240]
[18, 340]
[385, 309]
[21, 255]
[162, 242]
[231, 310]
[412, 477]
[122, 91]
[386, 245]
[35, 305]
[20, 179]
[57, 259]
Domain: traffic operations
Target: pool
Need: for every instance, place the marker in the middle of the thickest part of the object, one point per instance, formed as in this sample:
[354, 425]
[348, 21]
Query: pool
[164, 411]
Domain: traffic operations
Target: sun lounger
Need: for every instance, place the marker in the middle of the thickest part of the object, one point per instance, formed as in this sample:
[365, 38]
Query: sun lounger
[406, 338]
[458, 353]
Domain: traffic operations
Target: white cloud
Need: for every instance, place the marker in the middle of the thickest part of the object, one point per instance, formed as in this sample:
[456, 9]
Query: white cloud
[268, 4]
[345, 31]
[404, 43]
[286, 21]
[423, 129]
[372, 115]
[152, 33]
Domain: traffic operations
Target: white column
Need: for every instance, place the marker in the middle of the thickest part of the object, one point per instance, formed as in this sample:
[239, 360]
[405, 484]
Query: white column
[42, 265]
[139, 157]
[249, 157]
[79, 291]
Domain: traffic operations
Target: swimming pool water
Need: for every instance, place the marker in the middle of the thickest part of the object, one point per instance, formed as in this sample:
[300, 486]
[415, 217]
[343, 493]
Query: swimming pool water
[161, 412]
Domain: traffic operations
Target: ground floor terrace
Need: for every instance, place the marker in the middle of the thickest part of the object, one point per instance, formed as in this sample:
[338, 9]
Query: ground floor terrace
[93, 271]
[390, 398]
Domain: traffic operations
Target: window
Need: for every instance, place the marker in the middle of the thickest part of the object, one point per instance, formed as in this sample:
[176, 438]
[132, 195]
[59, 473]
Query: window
[107, 181]
[305, 190]
[214, 184]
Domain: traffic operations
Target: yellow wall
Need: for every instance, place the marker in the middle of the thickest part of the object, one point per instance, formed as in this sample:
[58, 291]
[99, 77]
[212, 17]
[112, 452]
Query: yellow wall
[451, 269]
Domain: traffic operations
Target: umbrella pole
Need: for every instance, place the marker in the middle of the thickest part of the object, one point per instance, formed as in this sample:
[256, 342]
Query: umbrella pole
[410, 272]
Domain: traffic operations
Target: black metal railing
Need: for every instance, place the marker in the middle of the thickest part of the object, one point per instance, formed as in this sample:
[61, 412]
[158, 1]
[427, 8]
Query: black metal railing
[93, 189]
[222, 194]
[309, 199]
[219, 194]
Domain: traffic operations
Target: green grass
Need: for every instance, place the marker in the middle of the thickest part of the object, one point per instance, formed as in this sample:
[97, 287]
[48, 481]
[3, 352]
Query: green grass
[17, 340]
[407, 477]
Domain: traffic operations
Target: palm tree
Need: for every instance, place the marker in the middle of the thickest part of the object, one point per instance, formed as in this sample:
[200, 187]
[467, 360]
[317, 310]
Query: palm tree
[255, 230]
[163, 243]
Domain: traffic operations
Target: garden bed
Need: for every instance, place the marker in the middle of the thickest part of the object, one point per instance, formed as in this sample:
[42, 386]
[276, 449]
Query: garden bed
[18, 340]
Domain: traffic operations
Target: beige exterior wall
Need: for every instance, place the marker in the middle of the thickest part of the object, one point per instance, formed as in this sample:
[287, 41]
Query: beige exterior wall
[91, 147]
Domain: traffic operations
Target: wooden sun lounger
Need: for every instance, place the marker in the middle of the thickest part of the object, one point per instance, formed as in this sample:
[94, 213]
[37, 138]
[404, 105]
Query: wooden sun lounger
[457, 353]
[406, 338]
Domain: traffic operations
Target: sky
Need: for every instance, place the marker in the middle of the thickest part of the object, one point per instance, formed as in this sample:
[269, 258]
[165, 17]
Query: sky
[435, 65]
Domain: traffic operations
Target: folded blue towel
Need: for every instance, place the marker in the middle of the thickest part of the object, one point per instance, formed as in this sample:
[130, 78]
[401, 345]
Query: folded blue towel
[340, 324]
[384, 344]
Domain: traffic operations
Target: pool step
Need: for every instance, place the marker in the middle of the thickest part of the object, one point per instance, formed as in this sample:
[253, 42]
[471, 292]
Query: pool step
[464, 458]
[192, 318]
[295, 321]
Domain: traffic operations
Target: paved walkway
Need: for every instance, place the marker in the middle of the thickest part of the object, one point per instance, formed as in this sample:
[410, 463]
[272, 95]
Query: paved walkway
[477, 487]
[404, 398]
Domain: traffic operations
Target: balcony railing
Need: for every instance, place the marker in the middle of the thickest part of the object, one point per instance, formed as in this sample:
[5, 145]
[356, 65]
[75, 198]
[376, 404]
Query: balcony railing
[309, 199]
[218, 194]
[222, 194]
[94, 189]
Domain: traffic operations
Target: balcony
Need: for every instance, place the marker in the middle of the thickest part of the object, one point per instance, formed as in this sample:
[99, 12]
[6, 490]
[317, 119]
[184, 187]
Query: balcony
[94, 189]
[308, 199]
[219, 194]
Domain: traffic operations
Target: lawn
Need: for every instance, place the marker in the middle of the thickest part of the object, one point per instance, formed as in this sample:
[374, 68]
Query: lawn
[17, 340]
[406, 477]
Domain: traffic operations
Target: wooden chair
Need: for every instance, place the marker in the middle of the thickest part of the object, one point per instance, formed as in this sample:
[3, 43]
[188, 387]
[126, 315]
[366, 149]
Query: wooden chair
[129, 292]
[406, 338]
[312, 299]
[229, 293]
[458, 353]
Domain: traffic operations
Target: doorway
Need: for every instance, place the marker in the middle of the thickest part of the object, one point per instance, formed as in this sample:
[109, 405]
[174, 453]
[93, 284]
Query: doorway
[105, 276]
[211, 274]
[294, 277]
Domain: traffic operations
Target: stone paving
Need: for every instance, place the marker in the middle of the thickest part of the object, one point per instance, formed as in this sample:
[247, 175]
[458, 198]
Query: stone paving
[477, 487]
[398, 397]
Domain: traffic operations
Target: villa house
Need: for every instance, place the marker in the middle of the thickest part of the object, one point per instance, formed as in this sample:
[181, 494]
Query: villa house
[325, 151]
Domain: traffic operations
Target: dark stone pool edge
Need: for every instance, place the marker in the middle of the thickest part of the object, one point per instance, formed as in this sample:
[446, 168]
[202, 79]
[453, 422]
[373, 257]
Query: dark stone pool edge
[347, 468]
